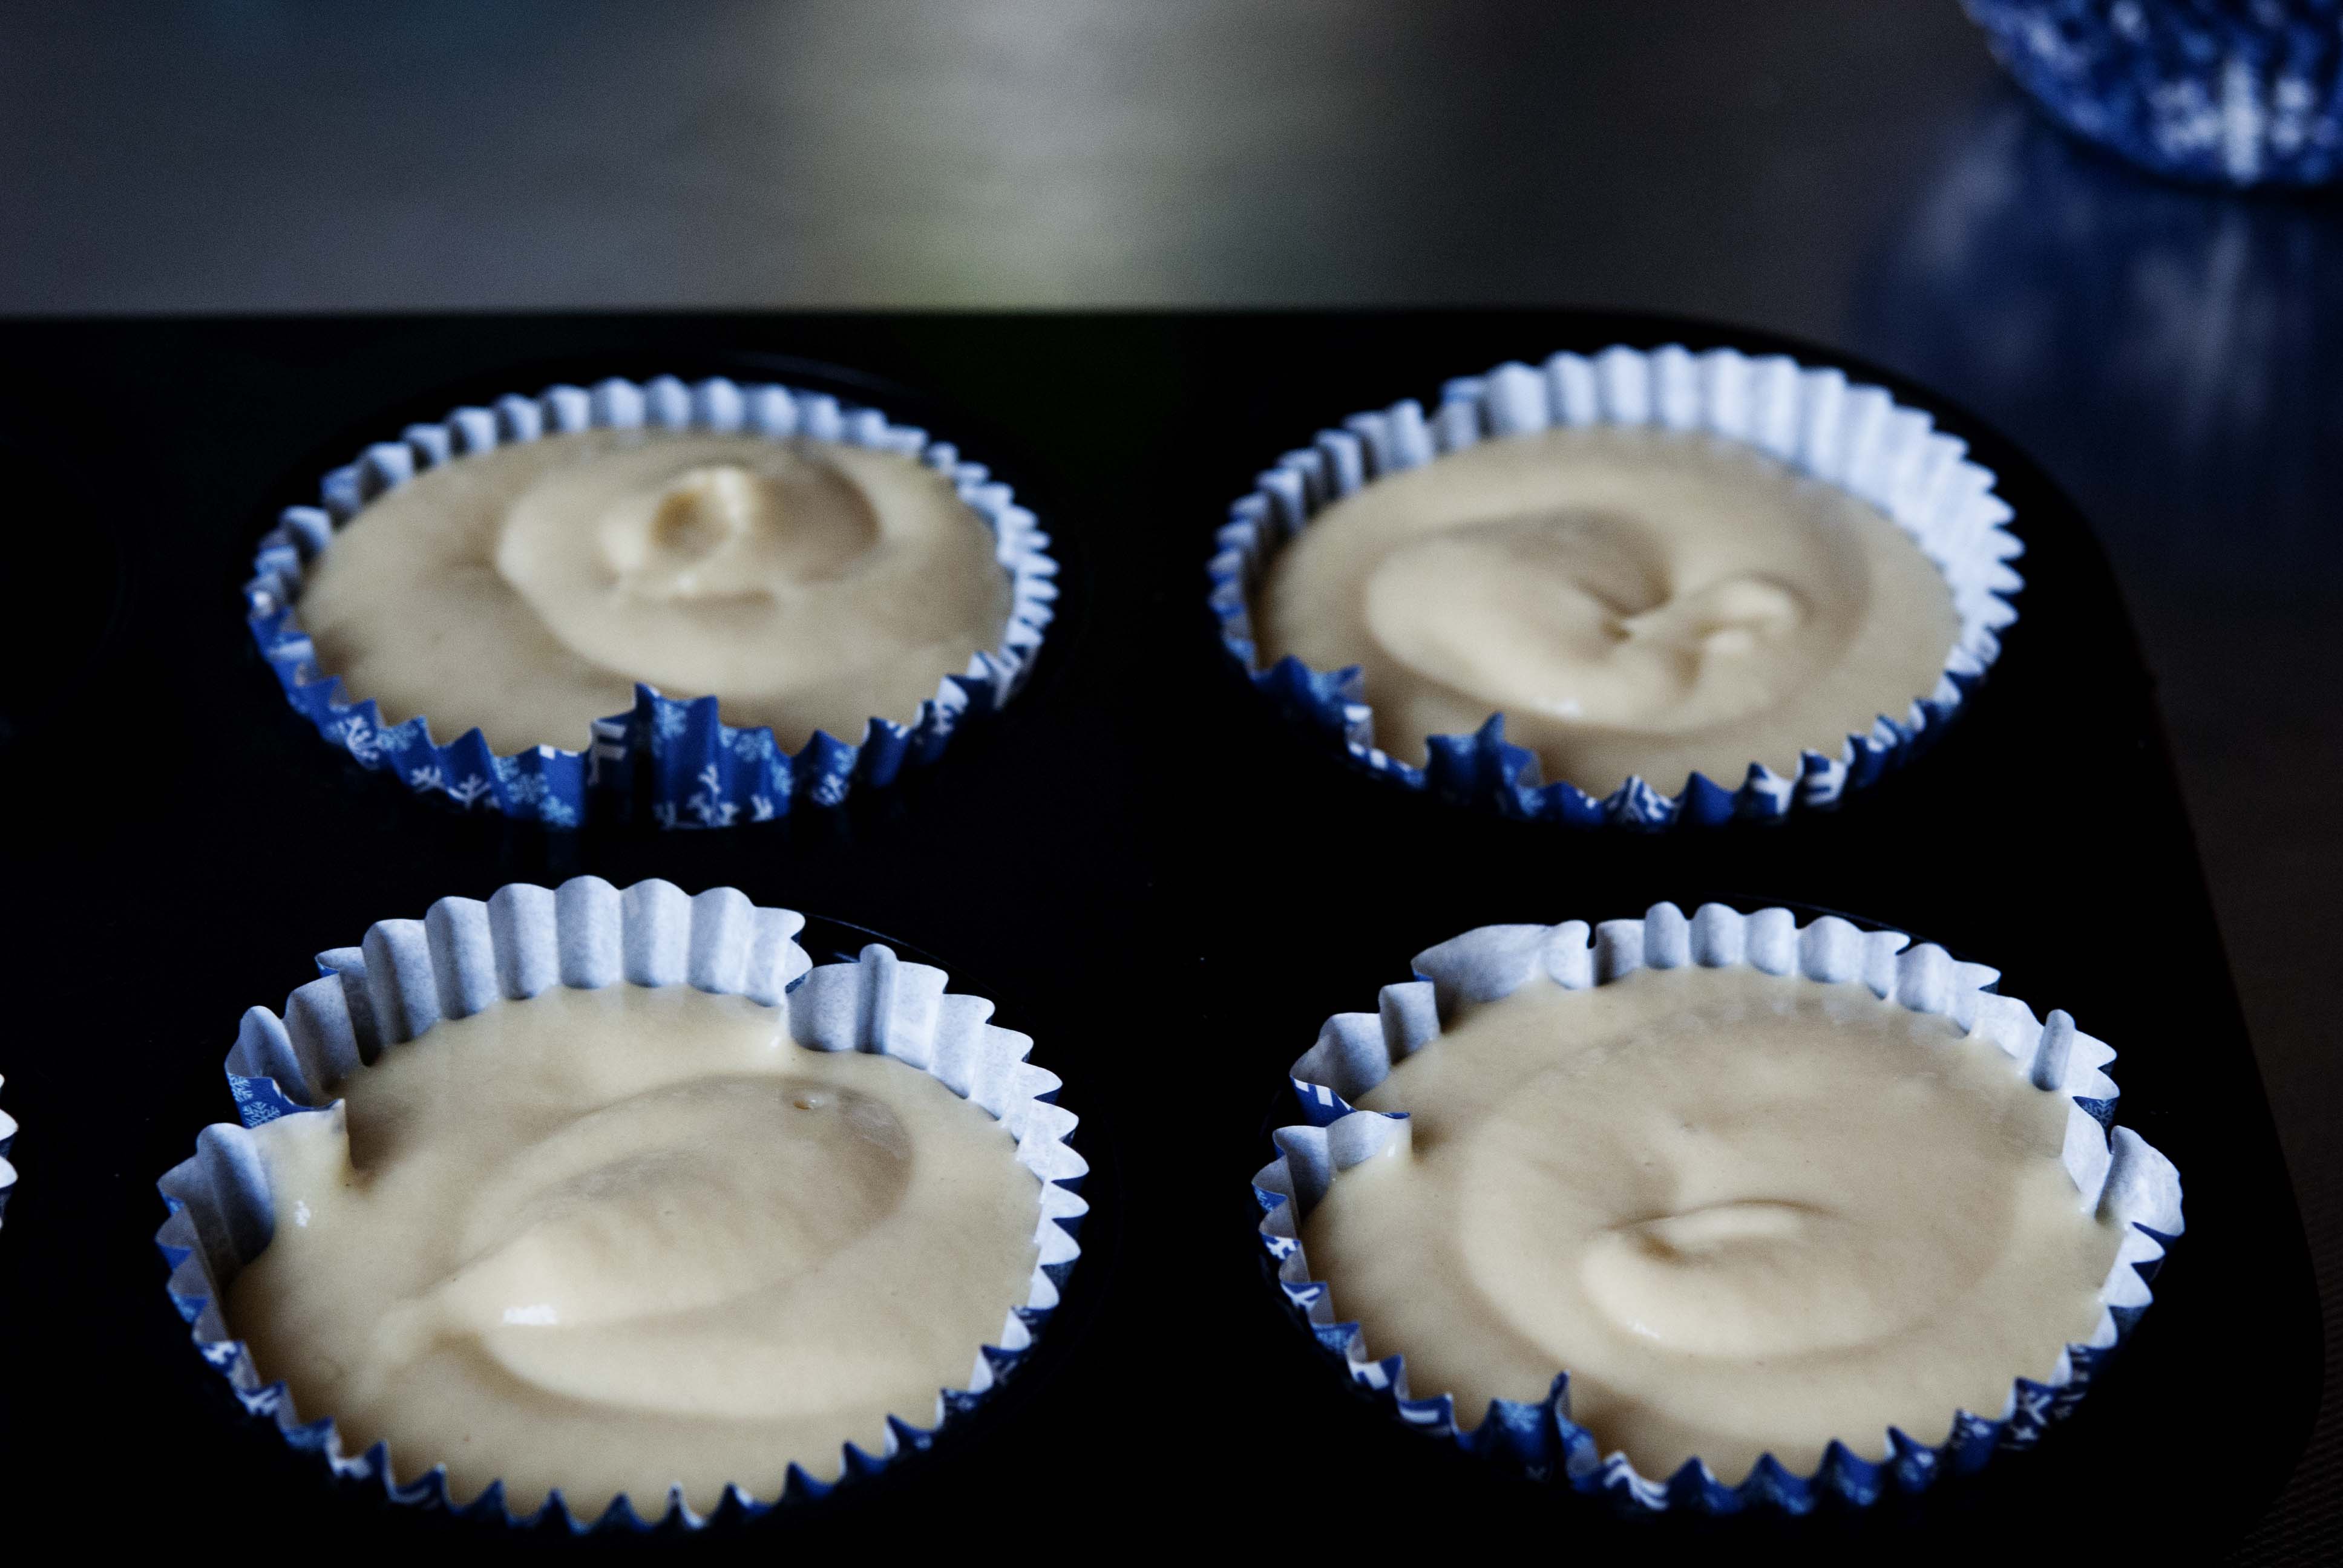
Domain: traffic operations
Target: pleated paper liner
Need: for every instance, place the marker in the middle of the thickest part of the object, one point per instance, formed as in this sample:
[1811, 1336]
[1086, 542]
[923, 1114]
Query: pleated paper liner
[668, 761]
[2124, 1175]
[1823, 426]
[467, 955]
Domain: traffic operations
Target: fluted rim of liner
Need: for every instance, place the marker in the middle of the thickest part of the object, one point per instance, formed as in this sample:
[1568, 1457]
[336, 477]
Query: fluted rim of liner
[7, 1172]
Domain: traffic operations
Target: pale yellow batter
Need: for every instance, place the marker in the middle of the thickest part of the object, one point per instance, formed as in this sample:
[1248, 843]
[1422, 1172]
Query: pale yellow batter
[1746, 1213]
[609, 1240]
[1634, 601]
[524, 590]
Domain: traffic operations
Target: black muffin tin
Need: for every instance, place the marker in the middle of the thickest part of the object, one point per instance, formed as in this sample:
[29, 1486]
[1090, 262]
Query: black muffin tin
[1164, 885]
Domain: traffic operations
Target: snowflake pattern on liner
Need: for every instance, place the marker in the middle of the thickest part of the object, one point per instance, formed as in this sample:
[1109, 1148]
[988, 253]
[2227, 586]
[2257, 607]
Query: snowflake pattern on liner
[668, 760]
[1844, 434]
[2222, 92]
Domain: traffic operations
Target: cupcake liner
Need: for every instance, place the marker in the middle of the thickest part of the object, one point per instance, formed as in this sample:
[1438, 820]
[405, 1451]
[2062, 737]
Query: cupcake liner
[465, 955]
[1855, 437]
[2225, 92]
[668, 760]
[1355, 1051]
[7, 1172]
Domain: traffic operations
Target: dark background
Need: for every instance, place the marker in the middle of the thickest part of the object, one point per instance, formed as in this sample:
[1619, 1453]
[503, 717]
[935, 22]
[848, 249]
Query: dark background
[1855, 174]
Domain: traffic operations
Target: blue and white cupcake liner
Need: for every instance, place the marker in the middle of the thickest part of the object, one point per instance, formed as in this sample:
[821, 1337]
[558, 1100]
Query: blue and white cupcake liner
[2227, 92]
[465, 955]
[1855, 437]
[1356, 1050]
[7, 1172]
[668, 760]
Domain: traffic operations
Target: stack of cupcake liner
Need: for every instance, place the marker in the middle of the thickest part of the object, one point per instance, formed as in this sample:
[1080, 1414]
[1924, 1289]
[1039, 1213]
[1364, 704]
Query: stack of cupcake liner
[2225, 92]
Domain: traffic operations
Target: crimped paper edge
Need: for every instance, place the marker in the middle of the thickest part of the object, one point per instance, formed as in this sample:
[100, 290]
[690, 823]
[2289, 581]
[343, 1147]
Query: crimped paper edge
[1356, 1050]
[704, 773]
[1848, 434]
[7, 1172]
[467, 954]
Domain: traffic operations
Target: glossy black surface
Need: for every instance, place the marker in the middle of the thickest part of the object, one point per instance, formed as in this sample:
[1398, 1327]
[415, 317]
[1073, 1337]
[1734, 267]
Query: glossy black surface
[63, 592]
[1147, 872]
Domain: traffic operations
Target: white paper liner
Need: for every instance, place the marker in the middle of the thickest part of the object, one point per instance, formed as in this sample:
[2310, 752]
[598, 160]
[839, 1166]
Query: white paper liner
[7, 1172]
[465, 955]
[1846, 433]
[668, 761]
[2112, 1167]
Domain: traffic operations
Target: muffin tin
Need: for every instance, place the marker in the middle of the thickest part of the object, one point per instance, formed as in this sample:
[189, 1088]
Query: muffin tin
[1152, 875]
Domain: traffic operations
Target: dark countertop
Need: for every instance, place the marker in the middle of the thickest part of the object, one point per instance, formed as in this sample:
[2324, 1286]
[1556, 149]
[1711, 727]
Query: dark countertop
[1853, 173]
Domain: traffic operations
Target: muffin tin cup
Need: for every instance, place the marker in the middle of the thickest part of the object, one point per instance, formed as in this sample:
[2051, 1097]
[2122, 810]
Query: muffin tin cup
[668, 761]
[1355, 1051]
[1852, 435]
[465, 955]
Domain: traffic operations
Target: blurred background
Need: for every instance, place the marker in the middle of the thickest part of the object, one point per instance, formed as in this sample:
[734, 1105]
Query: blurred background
[1859, 174]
